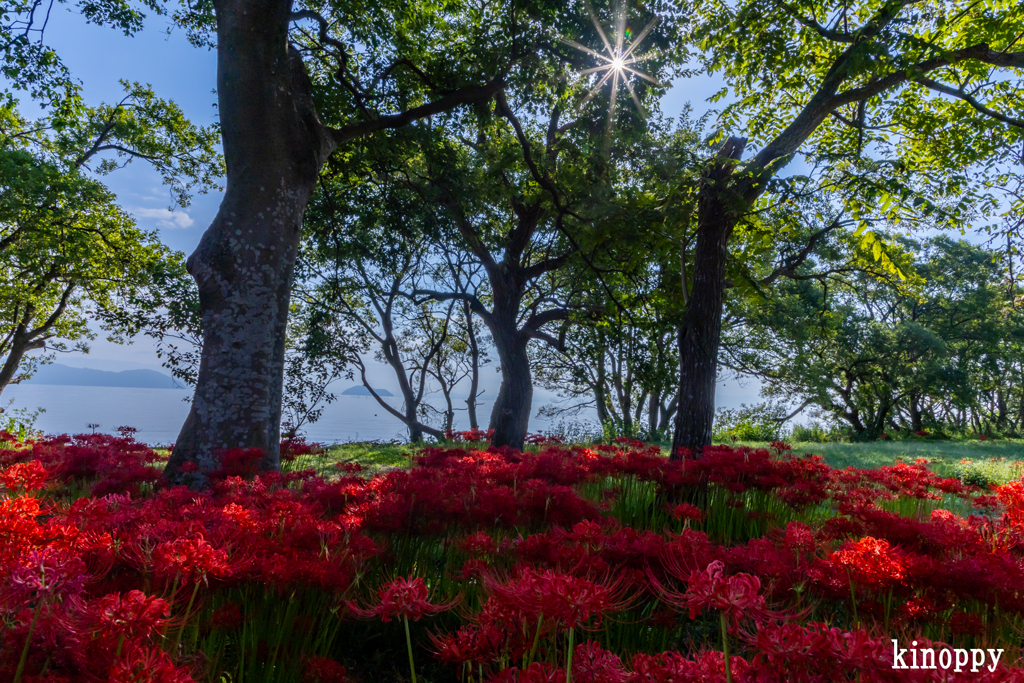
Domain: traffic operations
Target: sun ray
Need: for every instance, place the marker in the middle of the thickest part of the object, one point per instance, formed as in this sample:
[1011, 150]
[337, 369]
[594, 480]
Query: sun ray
[636, 100]
[642, 75]
[620, 27]
[617, 60]
[586, 49]
[640, 37]
[600, 31]
[596, 88]
[611, 106]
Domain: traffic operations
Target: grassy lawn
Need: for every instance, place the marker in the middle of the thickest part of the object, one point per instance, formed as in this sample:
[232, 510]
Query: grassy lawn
[999, 461]
[374, 457]
[989, 461]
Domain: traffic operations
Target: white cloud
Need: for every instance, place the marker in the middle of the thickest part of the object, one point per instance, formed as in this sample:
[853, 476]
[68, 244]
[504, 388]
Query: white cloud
[171, 220]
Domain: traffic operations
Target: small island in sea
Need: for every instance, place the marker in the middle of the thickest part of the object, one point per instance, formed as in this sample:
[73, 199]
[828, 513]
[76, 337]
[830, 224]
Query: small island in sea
[360, 390]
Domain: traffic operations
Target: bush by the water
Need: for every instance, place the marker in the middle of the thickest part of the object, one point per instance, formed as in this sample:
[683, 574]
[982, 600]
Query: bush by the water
[601, 564]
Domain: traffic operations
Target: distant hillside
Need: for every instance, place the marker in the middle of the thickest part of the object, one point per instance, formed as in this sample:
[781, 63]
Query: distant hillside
[360, 390]
[86, 377]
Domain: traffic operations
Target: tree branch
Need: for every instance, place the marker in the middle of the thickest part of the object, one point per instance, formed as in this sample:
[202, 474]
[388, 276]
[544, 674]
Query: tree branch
[453, 99]
[969, 99]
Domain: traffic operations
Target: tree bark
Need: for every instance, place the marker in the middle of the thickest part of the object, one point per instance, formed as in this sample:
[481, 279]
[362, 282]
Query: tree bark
[510, 415]
[699, 333]
[474, 370]
[19, 347]
[274, 146]
[916, 424]
[600, 397]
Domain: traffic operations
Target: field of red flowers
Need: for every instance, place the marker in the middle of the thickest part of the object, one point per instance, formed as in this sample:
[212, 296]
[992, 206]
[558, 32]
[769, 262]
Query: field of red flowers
[601, 564]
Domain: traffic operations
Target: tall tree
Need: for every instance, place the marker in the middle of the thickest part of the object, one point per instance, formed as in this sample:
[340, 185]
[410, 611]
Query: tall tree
[837, 81]
[67, 251]
[295, 84]
[374, 69]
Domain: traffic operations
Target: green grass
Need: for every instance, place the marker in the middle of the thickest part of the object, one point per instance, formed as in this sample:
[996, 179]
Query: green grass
[372, 456]
[997, 459]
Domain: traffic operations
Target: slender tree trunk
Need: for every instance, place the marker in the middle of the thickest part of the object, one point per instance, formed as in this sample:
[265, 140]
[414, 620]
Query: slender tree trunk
[700, 332]
[653, 406]
[916, 424]
[274, 145]
[600, 397]
[474, 369]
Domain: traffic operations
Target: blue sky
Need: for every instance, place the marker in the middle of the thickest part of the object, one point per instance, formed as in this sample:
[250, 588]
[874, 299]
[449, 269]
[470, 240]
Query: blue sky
[161, 56]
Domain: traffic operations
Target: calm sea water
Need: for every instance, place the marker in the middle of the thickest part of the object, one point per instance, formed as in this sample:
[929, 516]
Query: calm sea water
[159, 413]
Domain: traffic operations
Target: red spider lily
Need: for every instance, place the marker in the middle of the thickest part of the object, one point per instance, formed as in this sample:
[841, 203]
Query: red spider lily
[190, 559]
[479, 543]
[403, 597]
[555, 597]
[670, 667]
[24, 476]
[133, 615]
[687, 511]
[481, 644]
[1012, 497]
[322, 670]
[19, 530]
[872, 563]
[538, 672]
[799, 537]
[591, 664]
[734, 596]
[143, 664]
[47, 575]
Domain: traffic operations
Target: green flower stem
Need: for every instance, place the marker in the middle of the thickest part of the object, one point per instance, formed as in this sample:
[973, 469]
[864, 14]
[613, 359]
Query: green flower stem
[725, 647]
[184, 619]
[568, 657]
[408, 645]
[536, 637]
[28, 642]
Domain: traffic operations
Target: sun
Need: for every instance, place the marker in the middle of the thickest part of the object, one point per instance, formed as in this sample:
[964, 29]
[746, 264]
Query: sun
[616, 61]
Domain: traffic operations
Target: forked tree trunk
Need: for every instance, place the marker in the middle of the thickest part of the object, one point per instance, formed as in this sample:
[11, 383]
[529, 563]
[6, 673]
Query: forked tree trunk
[274, 146]
[700, 331]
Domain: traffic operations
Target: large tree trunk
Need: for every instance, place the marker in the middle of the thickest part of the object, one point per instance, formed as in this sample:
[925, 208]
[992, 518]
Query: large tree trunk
[274, 146]
[700, 331]
[510, 416]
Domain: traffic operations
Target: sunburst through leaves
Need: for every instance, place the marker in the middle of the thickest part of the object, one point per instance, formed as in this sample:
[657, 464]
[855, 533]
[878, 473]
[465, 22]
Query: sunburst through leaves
[617, 61]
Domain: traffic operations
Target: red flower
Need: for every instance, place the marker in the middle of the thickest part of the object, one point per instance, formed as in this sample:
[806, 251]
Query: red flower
[193, 559]
[403, 597]
[799, 537]
[687, 511]
[147, 665]
[134, 615]
[24, 476]
[735, 595]
[561, 598]
[871, 562]
[322, 670]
